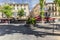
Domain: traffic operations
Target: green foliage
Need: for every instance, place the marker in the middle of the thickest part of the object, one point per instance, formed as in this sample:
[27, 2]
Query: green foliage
[57, 4]
[31, 21]
[56, 1]
[7, 10]
[21, 12]
[42, 14]
[41, 3]
[42, 8]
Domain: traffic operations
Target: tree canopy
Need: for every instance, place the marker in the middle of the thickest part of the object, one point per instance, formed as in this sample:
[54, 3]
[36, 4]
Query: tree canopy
[20, 12]
[57, 2]
[7, 10]
[41, 2]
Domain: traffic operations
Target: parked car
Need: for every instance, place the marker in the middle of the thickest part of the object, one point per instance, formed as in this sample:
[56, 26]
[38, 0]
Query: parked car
[52, 19]
[46, 19]
[4, 20]
[38, 18]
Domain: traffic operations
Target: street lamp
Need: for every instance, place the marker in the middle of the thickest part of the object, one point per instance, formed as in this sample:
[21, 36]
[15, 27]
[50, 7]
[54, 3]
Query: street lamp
[53, 26]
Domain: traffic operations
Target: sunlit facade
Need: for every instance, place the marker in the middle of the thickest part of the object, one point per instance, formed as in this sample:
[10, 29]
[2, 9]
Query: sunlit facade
[15, 9]
[49, 10]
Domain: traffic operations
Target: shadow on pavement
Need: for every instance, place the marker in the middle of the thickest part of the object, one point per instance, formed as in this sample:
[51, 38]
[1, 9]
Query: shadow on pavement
[10, 29]
[43, 27]
[57, 26]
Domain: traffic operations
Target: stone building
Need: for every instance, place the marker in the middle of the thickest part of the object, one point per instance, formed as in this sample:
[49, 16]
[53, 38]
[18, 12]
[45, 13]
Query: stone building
[15, 9]
[49, 10]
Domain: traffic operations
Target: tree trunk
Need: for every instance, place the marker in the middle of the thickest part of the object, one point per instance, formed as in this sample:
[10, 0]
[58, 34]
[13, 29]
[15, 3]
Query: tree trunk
[8, 20]
[42, 20]
[20, 18]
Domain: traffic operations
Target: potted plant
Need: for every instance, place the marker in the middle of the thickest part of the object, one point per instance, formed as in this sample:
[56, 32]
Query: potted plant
[31, 22]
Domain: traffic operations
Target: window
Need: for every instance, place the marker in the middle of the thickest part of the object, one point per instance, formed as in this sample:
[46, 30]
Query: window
[24, 8]
[53, 8]
[4, 16]
[24, 5]
[46, 8]
[14, 14]
[49, 8]
[17, 8]
[59, 13]
[14, 5]
[17, 5]
[21, 5]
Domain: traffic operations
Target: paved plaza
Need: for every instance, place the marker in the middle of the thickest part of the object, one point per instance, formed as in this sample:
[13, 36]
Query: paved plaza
[24, 32]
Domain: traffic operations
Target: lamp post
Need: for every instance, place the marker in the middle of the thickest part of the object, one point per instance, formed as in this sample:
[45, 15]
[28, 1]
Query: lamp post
[53, 28]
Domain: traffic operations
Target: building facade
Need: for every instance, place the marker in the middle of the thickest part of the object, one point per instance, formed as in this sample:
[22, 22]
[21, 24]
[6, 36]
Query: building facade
[35, 11]
[15, 9]
[49, 10]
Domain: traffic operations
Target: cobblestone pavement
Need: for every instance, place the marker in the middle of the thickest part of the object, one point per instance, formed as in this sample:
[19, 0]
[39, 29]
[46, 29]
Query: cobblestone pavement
[17, 36]
[24, 32]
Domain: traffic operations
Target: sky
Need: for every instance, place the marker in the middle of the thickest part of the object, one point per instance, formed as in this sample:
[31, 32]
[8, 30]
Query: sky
[31, 3]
